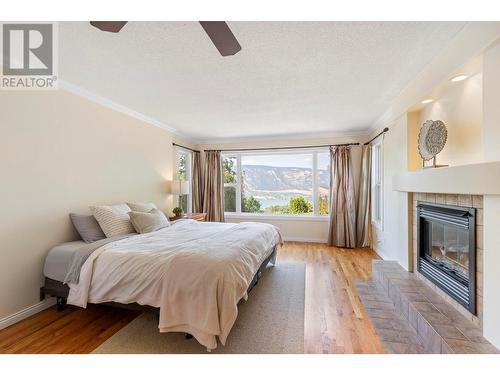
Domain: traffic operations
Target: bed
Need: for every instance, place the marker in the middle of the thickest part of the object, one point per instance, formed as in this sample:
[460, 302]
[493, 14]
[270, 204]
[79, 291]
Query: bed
[195, 273]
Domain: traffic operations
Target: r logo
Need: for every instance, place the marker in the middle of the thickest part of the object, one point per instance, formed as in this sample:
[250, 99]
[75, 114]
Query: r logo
[27, 49]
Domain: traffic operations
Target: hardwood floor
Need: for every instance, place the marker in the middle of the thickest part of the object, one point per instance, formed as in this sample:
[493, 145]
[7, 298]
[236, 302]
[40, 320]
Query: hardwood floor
[74, 330]
[335, 320]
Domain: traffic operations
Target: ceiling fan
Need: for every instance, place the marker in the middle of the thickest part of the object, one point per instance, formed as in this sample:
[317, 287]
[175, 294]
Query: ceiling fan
[218, 31]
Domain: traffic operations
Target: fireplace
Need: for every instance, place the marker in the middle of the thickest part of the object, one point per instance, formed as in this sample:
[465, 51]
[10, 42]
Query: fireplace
[447, 250]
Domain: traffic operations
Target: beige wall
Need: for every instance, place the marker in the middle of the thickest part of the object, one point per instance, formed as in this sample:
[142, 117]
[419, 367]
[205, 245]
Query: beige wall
[414, 160]
[60, 153]
[298, 230]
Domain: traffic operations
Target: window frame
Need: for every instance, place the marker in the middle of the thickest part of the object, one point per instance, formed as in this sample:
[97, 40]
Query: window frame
[314, 216]
[236, 185]
[377, 181]
[189, 175]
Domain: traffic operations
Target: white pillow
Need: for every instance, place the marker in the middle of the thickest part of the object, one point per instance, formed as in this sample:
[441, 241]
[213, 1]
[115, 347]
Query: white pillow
[146, 222]
[142, 207]
[113, 220]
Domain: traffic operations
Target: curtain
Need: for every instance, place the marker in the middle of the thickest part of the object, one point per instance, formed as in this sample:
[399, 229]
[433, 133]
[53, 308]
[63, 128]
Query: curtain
[363, 224]
[342, 230]
[197, 183]
[213, 199]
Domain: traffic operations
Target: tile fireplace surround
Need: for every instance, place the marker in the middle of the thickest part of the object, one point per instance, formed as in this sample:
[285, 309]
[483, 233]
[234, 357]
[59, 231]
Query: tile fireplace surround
[462, 200]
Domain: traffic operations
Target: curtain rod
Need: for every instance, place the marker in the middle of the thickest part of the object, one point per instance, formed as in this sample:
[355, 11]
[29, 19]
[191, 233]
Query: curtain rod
[284, 148]
[181, 146]
[378, 135]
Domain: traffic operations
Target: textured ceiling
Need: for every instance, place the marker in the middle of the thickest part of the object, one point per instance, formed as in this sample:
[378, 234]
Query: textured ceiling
[289, 78]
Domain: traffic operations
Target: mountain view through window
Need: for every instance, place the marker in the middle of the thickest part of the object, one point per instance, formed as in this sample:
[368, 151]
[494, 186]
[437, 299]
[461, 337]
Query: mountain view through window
[289, 183]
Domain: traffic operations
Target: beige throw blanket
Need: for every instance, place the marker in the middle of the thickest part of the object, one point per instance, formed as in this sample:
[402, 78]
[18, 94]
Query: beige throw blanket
[196, 273]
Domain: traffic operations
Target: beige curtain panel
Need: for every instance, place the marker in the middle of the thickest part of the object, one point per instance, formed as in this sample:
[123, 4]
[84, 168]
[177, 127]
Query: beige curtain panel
[197, 183]
[213, 191]
[342, 230]
[363, 225]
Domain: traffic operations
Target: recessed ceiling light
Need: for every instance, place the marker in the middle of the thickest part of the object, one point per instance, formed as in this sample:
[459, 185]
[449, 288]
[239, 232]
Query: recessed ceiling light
[459, 78]
[426, 101]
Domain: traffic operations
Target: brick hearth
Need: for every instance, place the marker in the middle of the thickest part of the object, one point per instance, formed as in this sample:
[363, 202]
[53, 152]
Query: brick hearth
[411, 317]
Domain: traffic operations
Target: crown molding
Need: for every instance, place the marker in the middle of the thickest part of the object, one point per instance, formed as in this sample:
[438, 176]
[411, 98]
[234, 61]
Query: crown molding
[89, 95]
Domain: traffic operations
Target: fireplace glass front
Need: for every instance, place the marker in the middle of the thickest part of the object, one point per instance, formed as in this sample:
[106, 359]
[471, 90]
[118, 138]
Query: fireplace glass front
[450, 249]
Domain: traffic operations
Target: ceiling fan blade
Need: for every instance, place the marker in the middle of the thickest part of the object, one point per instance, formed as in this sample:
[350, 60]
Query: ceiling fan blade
[110, 26]
[222, 37]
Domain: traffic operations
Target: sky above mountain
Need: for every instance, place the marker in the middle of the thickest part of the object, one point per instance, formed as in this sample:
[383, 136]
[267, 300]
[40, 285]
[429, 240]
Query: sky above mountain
[287, 160]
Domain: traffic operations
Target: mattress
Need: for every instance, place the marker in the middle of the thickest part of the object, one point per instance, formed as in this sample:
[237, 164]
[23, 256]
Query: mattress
[58, 261]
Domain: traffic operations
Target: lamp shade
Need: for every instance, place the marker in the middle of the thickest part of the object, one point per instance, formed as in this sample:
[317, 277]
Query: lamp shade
[180, 187]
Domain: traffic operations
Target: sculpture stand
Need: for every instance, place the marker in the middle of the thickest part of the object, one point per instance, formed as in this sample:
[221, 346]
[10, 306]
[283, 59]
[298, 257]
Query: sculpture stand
[434, 164]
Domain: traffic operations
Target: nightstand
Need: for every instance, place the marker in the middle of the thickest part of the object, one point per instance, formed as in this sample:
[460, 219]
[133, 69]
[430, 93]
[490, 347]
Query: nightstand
[195, 216]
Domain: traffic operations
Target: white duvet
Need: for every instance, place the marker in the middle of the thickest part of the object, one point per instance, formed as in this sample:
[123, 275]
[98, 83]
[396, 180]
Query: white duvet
[196, 273]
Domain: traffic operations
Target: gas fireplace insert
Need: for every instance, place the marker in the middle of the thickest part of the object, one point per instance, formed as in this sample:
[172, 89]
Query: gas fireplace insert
[447, 250]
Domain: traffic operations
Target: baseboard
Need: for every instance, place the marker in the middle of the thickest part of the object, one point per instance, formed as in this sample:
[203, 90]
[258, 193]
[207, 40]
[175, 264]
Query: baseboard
[303, 239]
[26, 313]
[380, 253]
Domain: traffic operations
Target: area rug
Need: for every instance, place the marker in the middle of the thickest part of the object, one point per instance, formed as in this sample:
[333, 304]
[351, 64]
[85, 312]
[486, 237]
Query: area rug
[271, 321]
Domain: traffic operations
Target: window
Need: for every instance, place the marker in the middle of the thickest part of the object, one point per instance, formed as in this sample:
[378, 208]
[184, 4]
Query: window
[277, 183]
[183, 173]
[377, 182]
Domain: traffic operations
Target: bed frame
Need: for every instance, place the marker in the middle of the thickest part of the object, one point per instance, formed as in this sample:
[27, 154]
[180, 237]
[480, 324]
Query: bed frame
[59, 290]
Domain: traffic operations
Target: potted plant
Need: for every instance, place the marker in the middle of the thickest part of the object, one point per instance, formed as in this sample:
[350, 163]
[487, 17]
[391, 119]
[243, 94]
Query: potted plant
[177, 211]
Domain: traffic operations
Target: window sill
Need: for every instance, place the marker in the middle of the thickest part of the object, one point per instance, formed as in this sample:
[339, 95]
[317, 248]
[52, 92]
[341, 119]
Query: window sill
[233, 215]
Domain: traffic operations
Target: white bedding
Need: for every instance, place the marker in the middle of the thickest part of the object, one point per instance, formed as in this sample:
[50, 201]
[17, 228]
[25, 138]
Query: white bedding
[196, 273]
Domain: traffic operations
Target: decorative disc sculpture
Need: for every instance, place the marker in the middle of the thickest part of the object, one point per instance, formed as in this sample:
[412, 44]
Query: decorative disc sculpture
[431, 140]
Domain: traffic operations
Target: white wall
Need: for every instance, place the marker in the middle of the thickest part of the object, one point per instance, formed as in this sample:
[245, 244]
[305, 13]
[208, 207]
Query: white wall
[491, 257]
[60, 153]
[390, 240]
[294, 229]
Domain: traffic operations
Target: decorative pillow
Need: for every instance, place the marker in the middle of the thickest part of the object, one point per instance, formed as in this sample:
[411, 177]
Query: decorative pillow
[87, 227]
[114, 220]
[146, 222]
[141, 207]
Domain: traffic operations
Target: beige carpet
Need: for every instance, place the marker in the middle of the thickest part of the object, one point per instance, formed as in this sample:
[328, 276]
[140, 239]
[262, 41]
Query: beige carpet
[271, 321]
